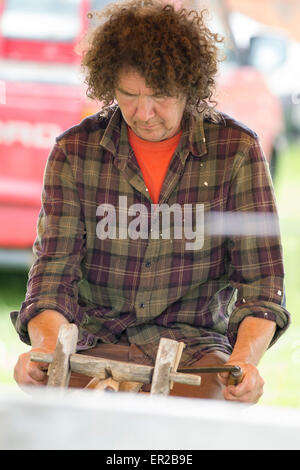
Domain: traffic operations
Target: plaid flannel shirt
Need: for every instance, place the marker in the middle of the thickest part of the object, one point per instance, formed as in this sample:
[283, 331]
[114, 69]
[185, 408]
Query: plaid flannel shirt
[151, 287]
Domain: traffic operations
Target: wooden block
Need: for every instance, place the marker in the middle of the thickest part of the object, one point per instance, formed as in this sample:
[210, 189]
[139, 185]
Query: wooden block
[188, 379]
[59, 370]
[37, 356]
[99, 368]
[102, 368]
[118, 370]
[166, 358]
[130, 386]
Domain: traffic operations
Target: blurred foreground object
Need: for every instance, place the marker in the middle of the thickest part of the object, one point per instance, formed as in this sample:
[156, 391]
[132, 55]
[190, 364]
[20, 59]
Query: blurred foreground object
[122, 421]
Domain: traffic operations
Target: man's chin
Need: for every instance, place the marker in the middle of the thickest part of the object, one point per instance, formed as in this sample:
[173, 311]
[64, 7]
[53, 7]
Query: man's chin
[152, 135]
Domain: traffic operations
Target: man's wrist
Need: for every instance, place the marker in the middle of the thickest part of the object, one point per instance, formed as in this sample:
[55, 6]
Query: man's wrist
[43, 329]
[253, 339]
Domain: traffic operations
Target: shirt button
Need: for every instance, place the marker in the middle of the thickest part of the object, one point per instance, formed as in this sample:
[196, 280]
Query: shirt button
[142, 305]
[279, 292]
[148, 264]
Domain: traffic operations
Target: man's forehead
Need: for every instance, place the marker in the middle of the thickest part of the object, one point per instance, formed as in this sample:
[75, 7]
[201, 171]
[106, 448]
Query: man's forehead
[133, 82]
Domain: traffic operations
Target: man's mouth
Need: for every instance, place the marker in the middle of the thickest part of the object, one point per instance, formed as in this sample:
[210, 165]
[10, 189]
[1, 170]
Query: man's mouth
[147, 126]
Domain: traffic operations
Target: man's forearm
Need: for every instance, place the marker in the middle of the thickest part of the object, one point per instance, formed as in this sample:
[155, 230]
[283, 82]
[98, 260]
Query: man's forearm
[253, 339]
[43, 329]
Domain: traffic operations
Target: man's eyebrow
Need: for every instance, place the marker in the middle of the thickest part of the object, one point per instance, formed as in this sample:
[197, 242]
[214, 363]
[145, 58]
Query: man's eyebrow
[125, 92]
[134, 94]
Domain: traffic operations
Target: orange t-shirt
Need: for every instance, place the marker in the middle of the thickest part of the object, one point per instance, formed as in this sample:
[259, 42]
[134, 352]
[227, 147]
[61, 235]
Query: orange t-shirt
[154, 159]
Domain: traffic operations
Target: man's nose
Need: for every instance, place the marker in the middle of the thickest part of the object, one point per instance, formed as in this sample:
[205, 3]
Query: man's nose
[145, 109]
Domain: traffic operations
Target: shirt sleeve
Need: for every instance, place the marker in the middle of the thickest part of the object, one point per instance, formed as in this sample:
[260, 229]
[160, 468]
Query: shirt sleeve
[59, 247]
[254, 245]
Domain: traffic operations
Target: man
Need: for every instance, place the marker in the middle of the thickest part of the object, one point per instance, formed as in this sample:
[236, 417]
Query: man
[125, 248]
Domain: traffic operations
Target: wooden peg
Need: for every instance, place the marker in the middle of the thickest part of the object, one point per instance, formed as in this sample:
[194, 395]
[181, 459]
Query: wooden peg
[92, 383]
[180, 348]
[168, 353]
[59, 370]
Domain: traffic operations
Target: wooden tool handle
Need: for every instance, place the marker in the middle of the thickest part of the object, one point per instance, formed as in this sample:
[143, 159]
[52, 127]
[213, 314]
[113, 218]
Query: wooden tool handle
[235, 377]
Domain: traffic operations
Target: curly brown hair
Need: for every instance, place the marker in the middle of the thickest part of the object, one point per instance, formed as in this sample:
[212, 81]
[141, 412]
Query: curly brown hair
[173, 50]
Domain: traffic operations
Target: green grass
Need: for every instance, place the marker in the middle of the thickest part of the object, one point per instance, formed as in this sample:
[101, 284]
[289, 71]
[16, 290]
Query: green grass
[280, 365]
[12, 293]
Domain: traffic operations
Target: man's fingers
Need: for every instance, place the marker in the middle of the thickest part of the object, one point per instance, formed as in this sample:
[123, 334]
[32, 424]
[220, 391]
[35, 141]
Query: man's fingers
[237, 391]
[241, 399]
[37, 372]
[248, 391]
[27, 372]
[223, 377]
[249, 397]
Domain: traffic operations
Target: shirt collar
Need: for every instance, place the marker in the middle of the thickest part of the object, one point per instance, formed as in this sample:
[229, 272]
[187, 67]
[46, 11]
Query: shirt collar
[115, 137]
[193, 136]
[111, 136]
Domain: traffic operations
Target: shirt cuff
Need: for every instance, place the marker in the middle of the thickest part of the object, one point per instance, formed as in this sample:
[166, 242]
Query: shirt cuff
[265, 310]
[31, 308]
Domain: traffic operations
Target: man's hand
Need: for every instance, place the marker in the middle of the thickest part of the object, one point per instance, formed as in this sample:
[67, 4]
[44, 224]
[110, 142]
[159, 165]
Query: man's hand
[27, 372]
[253, 338]
[43, 331]
[249, 390]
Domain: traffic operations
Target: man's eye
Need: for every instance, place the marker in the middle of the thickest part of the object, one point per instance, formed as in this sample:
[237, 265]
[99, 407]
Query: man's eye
[126, 93]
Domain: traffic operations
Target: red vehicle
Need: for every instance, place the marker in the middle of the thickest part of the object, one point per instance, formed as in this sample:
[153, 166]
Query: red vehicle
[41, 95]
